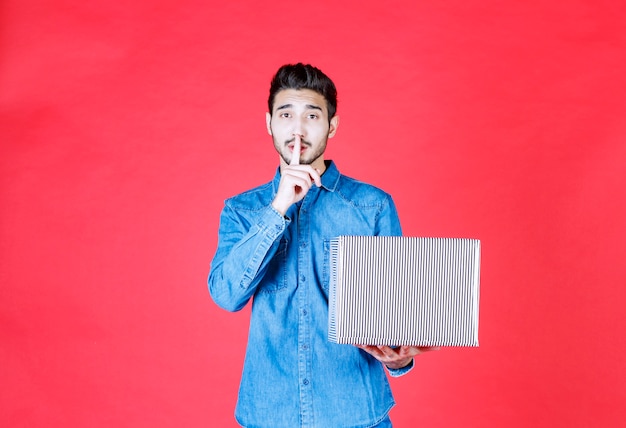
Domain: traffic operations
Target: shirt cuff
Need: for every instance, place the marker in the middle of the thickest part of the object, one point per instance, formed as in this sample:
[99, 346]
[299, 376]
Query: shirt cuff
[272, 222]
[400, 372]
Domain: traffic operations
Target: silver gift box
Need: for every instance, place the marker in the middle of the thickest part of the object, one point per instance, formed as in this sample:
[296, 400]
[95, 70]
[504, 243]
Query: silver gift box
[398, 290]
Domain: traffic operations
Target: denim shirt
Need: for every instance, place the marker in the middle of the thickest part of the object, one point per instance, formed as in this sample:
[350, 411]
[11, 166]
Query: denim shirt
[293, 376]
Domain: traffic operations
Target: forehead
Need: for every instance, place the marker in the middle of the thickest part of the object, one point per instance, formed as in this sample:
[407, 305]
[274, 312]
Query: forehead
[299, 99]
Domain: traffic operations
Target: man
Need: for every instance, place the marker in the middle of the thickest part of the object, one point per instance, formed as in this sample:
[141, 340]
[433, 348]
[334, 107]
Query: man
[274, 247]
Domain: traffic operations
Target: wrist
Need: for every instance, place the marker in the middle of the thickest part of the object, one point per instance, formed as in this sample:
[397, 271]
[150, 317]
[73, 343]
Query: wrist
[401, 371]
[280, 208]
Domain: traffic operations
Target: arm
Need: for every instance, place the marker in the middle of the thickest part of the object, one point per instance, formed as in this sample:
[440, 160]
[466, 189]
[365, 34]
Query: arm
[398, 361]
[244, 250]
[242, 254]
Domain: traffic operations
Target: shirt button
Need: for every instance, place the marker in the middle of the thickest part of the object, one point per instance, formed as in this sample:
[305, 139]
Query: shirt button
[305, 347]
[304, 312]
[305, 381]
[303, 244]
[302, 278]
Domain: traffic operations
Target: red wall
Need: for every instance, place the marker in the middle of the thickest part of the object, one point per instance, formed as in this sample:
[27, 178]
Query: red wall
[123, 129]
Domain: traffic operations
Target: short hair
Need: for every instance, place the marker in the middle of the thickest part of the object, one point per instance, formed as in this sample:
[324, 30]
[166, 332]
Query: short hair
[304, 76]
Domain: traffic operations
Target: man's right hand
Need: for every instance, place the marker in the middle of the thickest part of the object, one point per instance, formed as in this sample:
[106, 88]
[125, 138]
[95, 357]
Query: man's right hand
[295, 181]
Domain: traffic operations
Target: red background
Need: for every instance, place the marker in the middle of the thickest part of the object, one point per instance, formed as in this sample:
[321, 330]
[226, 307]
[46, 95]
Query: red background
[124, 126]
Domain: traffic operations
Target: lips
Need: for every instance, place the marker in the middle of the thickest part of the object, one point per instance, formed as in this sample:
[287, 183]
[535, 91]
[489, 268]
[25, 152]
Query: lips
[303, 147]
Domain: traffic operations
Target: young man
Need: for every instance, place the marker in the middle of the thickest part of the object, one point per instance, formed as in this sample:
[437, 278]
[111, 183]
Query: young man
[274, 246]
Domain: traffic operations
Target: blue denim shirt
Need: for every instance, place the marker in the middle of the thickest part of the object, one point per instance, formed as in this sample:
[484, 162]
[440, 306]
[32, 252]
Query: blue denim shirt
[293, 376]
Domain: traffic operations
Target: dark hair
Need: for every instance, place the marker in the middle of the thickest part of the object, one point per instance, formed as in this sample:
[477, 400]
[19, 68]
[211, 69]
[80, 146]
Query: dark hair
[304, 76]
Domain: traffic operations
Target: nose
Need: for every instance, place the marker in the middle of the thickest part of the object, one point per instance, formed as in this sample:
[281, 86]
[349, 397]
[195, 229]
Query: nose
[298, 128]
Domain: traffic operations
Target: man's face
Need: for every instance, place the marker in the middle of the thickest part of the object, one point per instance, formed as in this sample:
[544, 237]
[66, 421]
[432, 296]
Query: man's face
[302, 112]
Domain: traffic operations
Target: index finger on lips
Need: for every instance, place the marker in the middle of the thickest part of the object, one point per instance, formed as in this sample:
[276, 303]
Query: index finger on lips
[295, 154]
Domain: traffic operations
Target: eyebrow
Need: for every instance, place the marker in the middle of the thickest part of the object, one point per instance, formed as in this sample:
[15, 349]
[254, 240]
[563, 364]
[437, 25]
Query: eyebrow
[308, 106]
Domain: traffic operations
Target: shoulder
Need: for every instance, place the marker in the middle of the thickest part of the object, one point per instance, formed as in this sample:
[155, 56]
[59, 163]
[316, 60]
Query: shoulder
[361, 193]
[254, 199]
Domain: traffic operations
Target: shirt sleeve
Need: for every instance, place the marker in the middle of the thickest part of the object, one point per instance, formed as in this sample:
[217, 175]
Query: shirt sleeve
[388, 222]
[243, 251]
[400, 372]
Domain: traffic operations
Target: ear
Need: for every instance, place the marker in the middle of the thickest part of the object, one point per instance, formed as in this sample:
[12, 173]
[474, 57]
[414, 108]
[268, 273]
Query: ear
[334, 124]
[268, 122]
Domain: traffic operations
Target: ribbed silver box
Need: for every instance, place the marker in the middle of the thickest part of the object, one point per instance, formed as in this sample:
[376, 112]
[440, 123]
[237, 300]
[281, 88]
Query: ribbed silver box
[398, 290]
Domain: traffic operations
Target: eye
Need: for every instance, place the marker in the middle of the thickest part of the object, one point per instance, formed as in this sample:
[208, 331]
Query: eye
[285, 114]
[313, 116]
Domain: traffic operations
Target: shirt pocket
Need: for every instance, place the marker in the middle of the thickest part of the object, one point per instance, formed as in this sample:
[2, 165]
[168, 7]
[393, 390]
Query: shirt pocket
[275, 278]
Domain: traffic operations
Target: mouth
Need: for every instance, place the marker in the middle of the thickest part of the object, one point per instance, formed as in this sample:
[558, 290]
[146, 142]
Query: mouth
[303, 146]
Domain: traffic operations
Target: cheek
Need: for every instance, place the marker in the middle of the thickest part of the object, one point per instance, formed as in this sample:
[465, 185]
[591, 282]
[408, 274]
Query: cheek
[321, 134]
[277, 130]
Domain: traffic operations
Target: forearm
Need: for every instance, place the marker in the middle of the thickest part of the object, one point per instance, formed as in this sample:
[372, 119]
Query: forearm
[241, 256]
